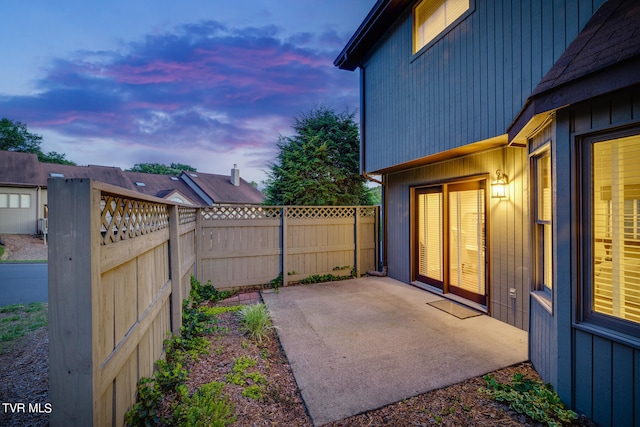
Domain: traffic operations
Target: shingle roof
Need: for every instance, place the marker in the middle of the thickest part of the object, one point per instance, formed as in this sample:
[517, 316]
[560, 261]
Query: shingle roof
[162, 186]
[24, 169]
[20, 168]
[221, 190]
[611, 36]
[603, 58]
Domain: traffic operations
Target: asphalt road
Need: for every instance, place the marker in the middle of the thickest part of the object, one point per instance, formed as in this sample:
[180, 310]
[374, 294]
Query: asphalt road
[23, 283]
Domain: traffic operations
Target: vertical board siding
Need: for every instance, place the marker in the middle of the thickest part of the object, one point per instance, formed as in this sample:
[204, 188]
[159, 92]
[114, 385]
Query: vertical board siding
[469, 85]
[508, 233]
[543, 343]
[604, 373]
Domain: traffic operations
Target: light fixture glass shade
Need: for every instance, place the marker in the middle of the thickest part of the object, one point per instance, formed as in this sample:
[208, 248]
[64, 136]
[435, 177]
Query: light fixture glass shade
[499, 186]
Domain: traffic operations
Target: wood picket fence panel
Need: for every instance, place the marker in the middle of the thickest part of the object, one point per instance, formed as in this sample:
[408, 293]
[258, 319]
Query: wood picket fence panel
[252, 245]
[120, 265]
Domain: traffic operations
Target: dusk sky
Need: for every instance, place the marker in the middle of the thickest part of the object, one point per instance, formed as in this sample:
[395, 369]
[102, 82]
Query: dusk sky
[208, 83]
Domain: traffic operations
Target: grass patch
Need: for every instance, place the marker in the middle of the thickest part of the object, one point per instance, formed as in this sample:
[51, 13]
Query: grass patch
[255, 321]
[17, 320]
[214, 311]
[24, 261]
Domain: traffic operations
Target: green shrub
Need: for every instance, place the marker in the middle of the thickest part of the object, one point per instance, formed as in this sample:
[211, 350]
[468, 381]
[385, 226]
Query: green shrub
[207, 407]
[255, 321]
[145, 411]
[533, 398]
[200, 293]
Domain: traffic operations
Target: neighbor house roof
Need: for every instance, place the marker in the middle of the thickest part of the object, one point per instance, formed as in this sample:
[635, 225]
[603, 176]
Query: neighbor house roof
[603, 58]
[163, 186]
[20, 169]
[106, 174]
[197, 188]
[221, 190]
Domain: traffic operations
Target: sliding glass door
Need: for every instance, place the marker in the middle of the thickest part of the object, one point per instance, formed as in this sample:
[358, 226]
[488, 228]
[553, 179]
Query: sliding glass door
[450, 238]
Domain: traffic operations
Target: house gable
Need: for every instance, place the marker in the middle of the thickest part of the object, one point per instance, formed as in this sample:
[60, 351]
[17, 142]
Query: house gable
[467, 87]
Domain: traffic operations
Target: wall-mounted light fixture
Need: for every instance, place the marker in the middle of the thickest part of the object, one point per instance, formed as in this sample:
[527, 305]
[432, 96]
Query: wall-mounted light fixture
[499, 185]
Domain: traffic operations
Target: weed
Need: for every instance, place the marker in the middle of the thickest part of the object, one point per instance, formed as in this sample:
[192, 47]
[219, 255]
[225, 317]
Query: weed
[276, 283]
[344, 267]
[320, 278]
[207, 406]
[255, 321]
[253, 392]
[264, 353]
[533, 398]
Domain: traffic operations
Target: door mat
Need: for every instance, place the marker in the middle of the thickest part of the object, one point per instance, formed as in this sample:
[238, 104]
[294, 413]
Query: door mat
[455, 309]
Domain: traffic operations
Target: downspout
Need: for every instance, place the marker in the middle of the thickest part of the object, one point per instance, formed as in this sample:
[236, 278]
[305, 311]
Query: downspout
[369, 178]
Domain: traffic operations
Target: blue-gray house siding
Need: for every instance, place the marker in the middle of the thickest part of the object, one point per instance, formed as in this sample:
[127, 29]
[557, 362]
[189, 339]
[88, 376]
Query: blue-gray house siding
[469, 86]
[493, 92]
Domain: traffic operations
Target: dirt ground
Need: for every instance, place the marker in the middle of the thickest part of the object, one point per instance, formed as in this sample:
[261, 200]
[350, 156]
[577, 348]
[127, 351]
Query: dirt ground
[24, 374]
[24, 247]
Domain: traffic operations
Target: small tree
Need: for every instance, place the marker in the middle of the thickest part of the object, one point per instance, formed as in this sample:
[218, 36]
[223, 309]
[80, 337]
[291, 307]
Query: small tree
[14, 136]
[162, 169]
[319, 164]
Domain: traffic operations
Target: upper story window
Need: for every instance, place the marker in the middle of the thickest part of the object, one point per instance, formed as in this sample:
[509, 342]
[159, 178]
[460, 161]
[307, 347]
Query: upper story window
[432, 17]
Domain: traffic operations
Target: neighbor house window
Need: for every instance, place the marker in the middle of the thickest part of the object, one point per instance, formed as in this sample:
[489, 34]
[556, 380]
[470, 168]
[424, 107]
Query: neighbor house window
[432, 17]
[611, 205]
[15, 201]
[542, 211]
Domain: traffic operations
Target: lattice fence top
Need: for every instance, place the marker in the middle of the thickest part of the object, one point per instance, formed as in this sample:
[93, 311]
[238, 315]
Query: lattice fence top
[186, 215]
[317, 212]
[123, 218]
[230, 212]
[241, 212]
[368, 211]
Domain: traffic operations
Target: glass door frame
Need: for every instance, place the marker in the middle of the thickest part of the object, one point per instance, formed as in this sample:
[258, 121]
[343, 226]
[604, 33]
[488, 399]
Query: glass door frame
[483, 182]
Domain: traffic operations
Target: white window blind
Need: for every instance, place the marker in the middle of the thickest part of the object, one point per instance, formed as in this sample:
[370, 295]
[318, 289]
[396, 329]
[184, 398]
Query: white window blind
[615, 224]
[432, 17]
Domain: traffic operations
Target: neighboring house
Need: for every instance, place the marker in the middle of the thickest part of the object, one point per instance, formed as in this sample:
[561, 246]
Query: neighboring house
[507, 135]
[23, 188]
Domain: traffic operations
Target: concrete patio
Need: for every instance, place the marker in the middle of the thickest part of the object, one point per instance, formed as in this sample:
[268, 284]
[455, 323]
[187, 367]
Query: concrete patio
[360, 344]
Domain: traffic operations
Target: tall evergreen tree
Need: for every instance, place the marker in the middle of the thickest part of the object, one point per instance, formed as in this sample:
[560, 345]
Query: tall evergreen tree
[319, 164]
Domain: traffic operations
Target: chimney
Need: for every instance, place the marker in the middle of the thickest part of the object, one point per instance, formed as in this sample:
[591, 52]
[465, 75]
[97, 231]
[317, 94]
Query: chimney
[235, 175]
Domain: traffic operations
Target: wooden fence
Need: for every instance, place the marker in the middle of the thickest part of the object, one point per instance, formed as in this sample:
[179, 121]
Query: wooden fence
[120, 265]
[252, 245]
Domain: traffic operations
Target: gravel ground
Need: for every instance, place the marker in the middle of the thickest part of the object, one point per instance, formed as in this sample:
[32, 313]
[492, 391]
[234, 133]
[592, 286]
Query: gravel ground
[24, 376]
[23, 247]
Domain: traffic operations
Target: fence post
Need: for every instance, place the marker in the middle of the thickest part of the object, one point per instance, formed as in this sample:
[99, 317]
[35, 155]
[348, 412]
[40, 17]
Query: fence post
[175, 265]
[199, 238]
[285, 233]
[357, 240]
[74, 248]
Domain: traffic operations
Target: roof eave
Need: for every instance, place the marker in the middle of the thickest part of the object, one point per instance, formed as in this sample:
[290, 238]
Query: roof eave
[379, 19]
